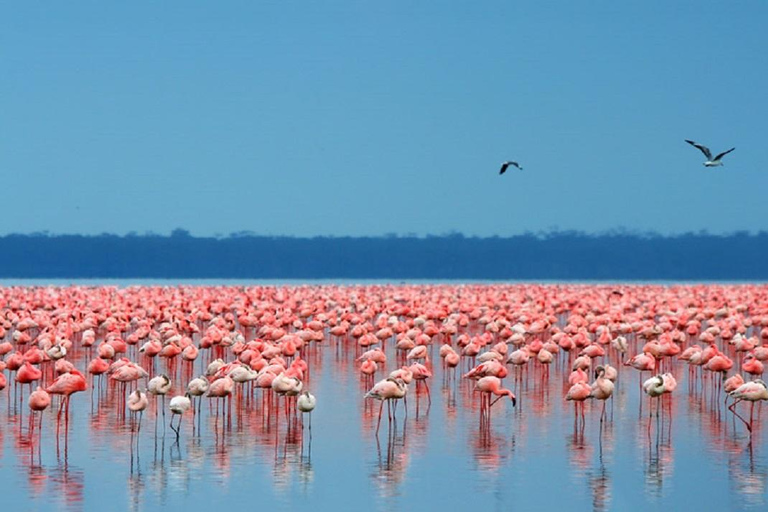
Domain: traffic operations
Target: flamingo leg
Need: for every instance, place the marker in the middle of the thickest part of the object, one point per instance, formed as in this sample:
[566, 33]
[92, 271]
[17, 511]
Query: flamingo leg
[66, 416]
[378, 424]
[732, 408]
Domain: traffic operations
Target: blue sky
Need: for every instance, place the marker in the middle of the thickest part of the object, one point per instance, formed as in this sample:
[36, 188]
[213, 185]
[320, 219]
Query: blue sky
[360, 117]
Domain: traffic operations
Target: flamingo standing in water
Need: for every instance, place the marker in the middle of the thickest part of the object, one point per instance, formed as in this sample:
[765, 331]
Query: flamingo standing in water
[306, 404]
[137, 402]
[287, 384]
[421, 373]
[644, 362]
[179, 405]
[654, 388]
[197, 387]
[39, 400]
[129, 372]
[670, 384]
[752, 365]
[27, 374]
[492, 385]
[731, 384]
[602, 388]
[222, 388]
[387, 389]
[159, 386]
[752, 392]
[576, 376]
[577, 394]
[368, 368]
[67, 384]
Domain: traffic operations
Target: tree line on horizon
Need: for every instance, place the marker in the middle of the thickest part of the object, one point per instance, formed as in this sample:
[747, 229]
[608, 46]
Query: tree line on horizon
[557, 255]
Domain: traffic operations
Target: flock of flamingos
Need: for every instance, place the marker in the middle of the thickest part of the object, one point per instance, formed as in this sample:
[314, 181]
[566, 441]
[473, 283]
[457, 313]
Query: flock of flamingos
[166, 349]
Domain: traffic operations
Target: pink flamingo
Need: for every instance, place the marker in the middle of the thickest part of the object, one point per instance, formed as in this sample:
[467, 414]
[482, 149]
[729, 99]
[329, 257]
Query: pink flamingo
[602, 388]
[731, 384]
[387, 389]
[492, 385]
[421, 373]
[577, 394]
[137, 402]
[752, 392]
[39, 400]
[66, 385]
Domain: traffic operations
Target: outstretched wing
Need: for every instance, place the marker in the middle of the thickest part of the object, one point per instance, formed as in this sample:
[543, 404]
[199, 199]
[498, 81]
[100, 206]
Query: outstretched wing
[703, 149]
[504, 167]
[721, 155]
[516, 165]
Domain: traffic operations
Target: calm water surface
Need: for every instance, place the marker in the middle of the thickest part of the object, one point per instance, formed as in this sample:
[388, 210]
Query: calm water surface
[529, 457]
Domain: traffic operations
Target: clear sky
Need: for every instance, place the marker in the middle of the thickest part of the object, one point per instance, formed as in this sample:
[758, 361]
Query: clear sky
[365, 118]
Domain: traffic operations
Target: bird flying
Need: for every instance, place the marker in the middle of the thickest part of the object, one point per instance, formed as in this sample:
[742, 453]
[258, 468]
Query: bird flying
[711, 162]
[507, 164]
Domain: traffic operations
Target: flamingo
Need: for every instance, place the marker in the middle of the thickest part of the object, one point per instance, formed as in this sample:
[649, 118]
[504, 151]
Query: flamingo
[654, 388]
[306, 404]
[578, 393]
[179, 405]
[222, 388]
[421, 373]
[602, 388]
[387, 389]
[66, 385]
[731, 384]
[137, 402]
[39, 400]
[492, 385]
[160, 386]
[197, 387]
[752, 392]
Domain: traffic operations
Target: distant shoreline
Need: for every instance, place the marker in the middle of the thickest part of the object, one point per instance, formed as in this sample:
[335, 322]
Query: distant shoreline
[556, 256]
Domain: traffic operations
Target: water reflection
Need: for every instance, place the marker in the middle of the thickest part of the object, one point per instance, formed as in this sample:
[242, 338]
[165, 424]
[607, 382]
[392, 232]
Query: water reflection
[748, 476]
[599, 480]
[68, 484]
[490, 449]
[659, 458]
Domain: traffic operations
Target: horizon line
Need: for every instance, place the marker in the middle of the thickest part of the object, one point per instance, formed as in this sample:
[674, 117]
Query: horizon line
[540, 234]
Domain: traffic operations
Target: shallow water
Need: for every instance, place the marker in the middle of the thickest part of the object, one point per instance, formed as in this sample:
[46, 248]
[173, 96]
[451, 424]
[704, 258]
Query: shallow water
[530, 456]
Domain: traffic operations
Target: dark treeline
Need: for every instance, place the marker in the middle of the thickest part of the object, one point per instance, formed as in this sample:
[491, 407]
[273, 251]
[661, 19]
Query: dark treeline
[558, 255]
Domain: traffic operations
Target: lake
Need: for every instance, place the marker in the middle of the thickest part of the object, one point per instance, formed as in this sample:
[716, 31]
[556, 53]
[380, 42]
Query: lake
[439, 455]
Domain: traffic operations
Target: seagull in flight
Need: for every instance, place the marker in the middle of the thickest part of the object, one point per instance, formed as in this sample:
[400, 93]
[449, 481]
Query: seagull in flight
[507, 164]
[711, 162]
